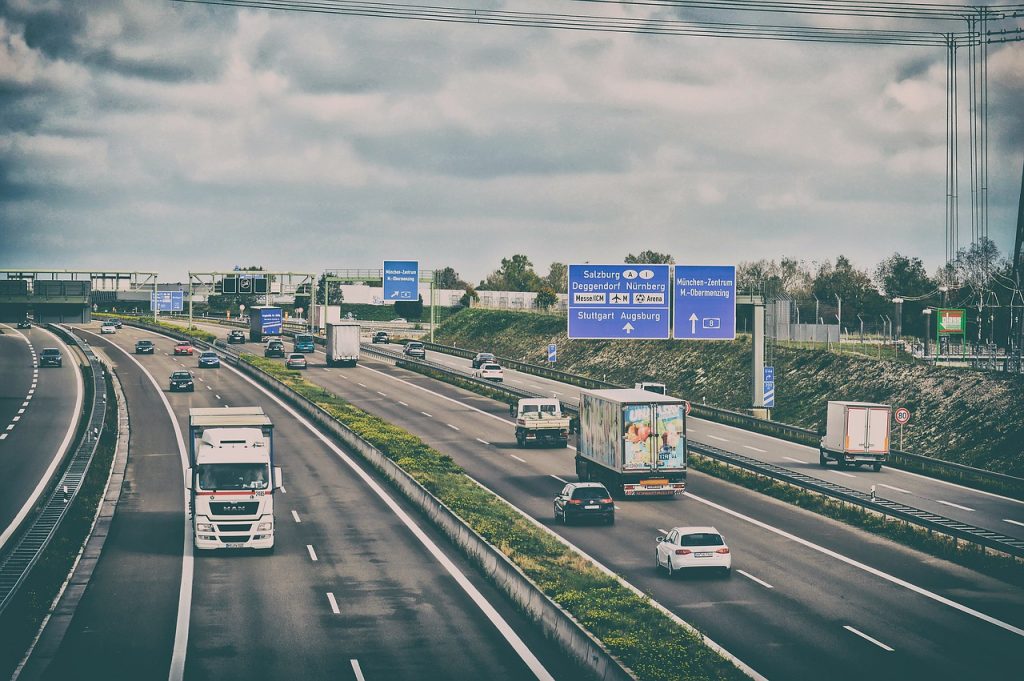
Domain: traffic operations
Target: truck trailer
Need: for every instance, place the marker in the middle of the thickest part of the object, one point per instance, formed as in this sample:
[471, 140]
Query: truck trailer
[856, 433]
[633, 441]
[264, 320]
[342, 344]
[231, 478]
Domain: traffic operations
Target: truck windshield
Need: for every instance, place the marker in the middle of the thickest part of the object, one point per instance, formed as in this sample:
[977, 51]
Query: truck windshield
[542, 408]
[233, 476]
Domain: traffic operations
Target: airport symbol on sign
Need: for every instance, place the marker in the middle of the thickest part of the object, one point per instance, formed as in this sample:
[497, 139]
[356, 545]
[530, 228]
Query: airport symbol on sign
[619, 301]
[705, 302]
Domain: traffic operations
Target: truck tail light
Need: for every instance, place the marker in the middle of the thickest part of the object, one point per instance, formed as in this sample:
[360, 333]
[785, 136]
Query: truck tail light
[724, 550]
[683, 552]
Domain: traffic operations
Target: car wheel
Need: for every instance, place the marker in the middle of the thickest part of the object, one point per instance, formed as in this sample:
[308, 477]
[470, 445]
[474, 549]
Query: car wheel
[611, 520]
[657, 561]
[727, 571]
[565, 518]
[556, 513]
[669, 568]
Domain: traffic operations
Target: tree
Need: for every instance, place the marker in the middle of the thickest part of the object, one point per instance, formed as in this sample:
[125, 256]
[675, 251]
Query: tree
[900, 275]
[409, 309]
[558, 277]
[334, 297]
[448, 278]
[976, 264]
[515, 274]
[546, 297]
[469, 296]
[649, 258]
[853, 286]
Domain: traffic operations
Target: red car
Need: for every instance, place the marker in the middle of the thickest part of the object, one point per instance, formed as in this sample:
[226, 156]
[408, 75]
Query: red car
[183, 348]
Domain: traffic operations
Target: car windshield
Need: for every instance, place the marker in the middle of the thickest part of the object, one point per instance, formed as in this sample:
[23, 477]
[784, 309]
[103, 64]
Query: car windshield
[701, 539]
[144, 342]
[51, 352]
[209, 355]
[491, 367]
[233, 476]
[415, 346]
[181, 374]
[183, 344]
[303, 339]
[301, 358]
[542, 408]
[590, 493]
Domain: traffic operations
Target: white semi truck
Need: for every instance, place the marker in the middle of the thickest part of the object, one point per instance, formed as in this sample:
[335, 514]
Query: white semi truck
[856, 433]
[539, 421]
[342, 344]
[633, 441]
[231, 478]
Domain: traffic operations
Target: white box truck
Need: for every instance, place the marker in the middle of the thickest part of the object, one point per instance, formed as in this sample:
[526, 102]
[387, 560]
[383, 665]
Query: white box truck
[856, 433]
[633, 441]
[342, 344]
[231, 478]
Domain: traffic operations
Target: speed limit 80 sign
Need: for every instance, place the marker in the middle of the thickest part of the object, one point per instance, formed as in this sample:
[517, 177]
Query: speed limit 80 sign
[902, 415]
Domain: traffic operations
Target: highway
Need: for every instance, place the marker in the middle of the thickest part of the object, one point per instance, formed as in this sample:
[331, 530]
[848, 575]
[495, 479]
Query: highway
[807, 593]
[358, 587]
[39, 409]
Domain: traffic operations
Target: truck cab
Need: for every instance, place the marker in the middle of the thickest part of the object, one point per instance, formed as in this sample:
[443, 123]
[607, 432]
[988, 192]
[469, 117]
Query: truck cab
[651, 387]
[539, 421]
[232, 478]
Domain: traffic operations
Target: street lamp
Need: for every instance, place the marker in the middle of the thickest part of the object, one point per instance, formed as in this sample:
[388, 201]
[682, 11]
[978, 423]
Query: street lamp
[899, 316]
[927, 312]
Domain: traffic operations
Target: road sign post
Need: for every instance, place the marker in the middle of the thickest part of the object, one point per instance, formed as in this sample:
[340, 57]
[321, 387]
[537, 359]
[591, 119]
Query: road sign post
[902, 416]
[552, 352]
[769, 387]
[619, 301]
[401, 280]
[705, 302]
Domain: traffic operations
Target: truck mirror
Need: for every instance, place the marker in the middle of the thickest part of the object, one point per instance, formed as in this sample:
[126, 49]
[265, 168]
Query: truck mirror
[188, 478]
[278, 478]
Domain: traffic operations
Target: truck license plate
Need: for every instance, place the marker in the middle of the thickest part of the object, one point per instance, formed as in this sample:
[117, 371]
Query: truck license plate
[234, 545]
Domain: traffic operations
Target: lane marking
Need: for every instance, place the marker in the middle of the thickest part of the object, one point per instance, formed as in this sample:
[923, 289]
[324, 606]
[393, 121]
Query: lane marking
[217, 396]
[950, 503]
[283, 490]
[862, 566]
[483, 442]
[1015, 522]
[452, 427]
[381, 394]
[403, 403]
[867, 638]
[357, 671]
[789, 458]
[295, 515]
[334, 603]
[312, 553]
[361, 385]
[3, 436]
[564, 482]
[756, 449]
[849, 475]
[426, 414]
[517, 458]
[715, 437]
[21, 411]
[209, 388]
[499, 622]
[10, 427]
[753, 578]
[326, 369]
[15, 419]
[897, 489]
[661, 530]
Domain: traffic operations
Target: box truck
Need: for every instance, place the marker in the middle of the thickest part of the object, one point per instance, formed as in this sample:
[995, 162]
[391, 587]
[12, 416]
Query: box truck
[342, 344]
[264, 320]
[856, 433]
[231, 478]
[633, 441]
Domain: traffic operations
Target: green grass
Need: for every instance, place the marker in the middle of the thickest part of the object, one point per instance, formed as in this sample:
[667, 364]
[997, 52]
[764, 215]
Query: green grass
[20, 621]
[644, 638]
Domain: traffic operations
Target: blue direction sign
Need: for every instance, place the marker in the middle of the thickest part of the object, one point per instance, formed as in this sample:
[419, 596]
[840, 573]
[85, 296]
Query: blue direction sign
[166, 301]
[769, 387]
[401, 280]
[552, 352]
[619, 301]
[705, 302]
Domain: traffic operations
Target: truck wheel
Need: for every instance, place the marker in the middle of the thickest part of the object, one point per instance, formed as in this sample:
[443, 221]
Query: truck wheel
[822, 459]
[877, 467]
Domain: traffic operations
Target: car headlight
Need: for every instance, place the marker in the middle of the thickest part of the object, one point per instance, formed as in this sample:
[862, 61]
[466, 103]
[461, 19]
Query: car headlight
[204, 527]
[265, 527]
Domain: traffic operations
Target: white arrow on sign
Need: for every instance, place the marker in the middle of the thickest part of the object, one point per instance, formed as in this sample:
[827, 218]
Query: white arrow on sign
[628, 328]
[693, 323]
[396, 294]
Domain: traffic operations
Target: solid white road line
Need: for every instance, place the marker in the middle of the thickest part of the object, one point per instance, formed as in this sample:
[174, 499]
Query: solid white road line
[849, 475]
[426, 414]
[483, 442]
[517, 458]
[334, 603]
[312, 553]
[177, 671]
[357, 671]
[296, 516]
[950, 503]
[1015, 522]
[452, 427]
[861, 566]
[789, 458]
[564, 482]
[897, 489]
[753, 578]
[715, 437]
[867, 638]
[756, 449]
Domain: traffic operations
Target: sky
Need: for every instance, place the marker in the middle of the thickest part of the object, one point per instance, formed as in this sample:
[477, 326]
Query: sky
[151, 135]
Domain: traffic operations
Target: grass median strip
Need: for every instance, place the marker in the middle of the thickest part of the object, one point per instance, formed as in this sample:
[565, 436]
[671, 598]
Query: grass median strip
[644, 638]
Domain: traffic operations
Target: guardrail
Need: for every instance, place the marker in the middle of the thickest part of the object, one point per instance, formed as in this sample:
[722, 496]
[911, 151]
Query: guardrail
[25, 552]
[939, 468]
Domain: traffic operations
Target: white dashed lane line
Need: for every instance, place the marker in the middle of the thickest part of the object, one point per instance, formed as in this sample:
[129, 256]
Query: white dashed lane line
[849, 475]
[485, 442]
[867, 638]
[756, 449]
[403, 403]
[334, 603]
[517, 458]
[755, 579]
[950, 503]
[564, 482]
[897, 489]
[452, 427]
[715, 437]
[426, 414]
[789, 458]
[296, 516]
[1014, 522]
[381, 394]
[312, 553]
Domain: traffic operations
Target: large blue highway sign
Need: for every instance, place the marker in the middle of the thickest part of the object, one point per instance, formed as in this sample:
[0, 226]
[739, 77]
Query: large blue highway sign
[705, 302]
[166, 301]
[619, 301]
[401, 280]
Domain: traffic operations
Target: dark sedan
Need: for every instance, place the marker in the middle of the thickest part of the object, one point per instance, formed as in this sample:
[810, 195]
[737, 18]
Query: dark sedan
[144, 347]
[50, 357]
[182, 380]
[236, 337]
[579, 500]
[208, 359]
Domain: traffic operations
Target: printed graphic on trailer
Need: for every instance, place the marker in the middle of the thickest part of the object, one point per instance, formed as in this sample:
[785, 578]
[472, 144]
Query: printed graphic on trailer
[653, 442]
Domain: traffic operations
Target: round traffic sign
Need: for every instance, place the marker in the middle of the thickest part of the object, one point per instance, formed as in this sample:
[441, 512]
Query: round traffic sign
[687, 406]
[902, 415]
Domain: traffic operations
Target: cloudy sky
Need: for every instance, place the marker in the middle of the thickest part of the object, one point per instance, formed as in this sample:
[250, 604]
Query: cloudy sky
[158, 135]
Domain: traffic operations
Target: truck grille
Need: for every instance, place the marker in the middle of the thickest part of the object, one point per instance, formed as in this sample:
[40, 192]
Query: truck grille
[234, 507]
[234, 527]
